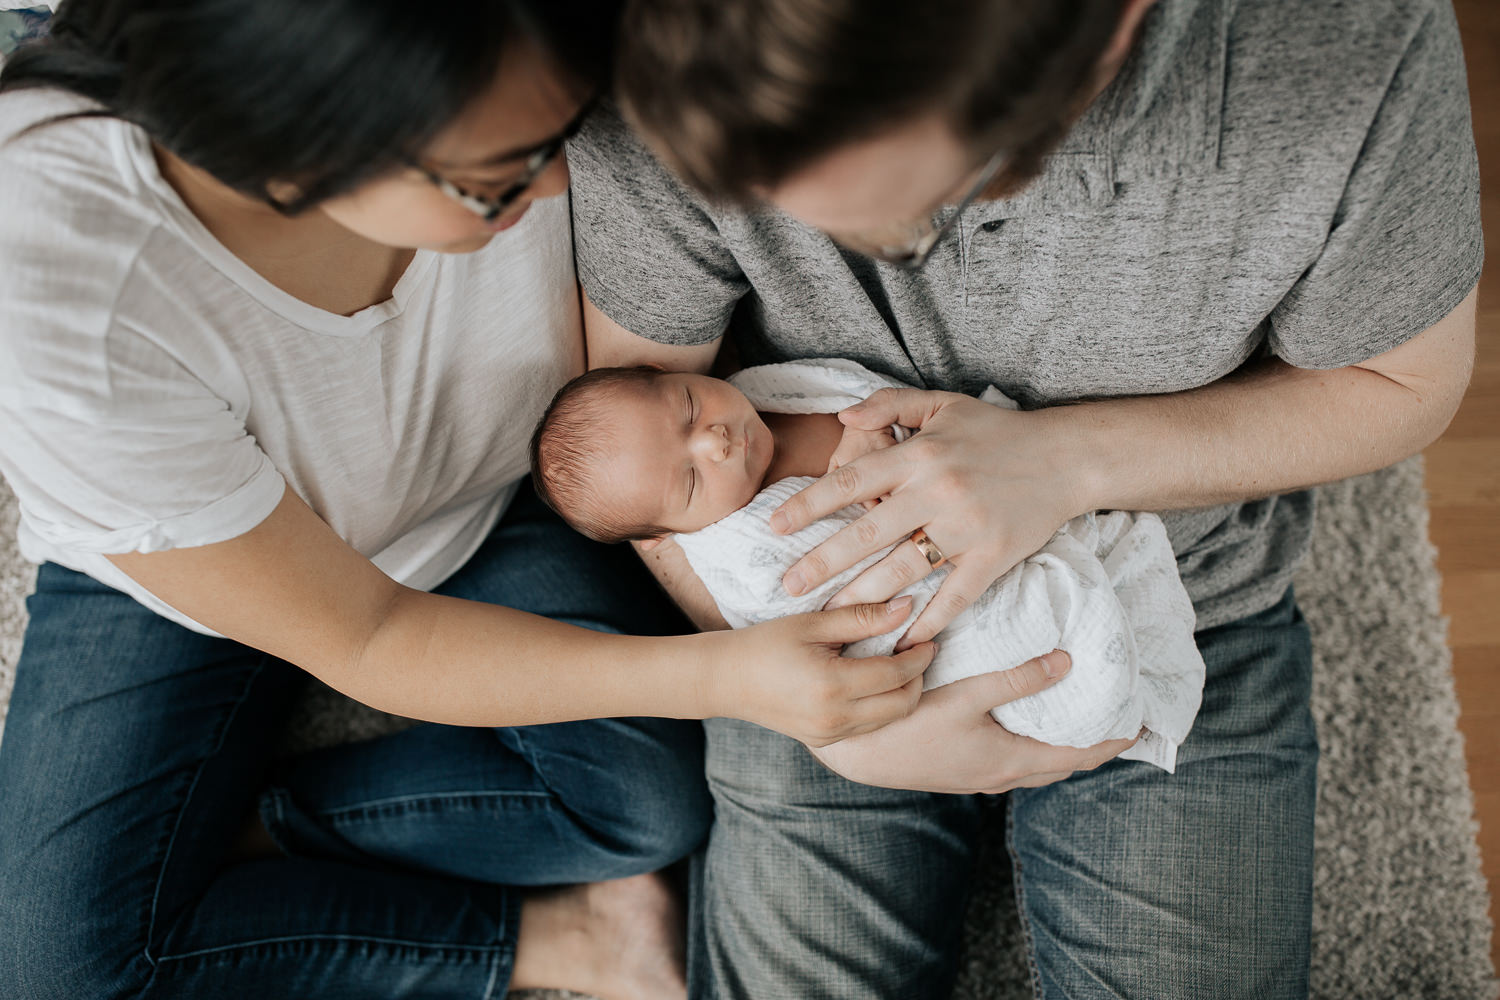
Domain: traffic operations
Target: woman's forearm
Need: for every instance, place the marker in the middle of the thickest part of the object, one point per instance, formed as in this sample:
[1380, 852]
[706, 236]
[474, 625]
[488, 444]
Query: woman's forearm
[465, 663]
[292, 588]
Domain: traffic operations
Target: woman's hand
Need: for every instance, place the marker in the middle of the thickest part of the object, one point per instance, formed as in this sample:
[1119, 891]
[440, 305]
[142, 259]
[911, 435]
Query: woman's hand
[950, 743]
[787, 674]
[989, 486]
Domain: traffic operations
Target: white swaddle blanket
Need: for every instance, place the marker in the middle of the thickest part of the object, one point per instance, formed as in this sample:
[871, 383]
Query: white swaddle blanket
[1104, 588]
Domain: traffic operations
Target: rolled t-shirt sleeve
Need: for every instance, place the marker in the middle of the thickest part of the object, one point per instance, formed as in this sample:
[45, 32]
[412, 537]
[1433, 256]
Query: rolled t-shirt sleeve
[1405, 246]
[649, 254]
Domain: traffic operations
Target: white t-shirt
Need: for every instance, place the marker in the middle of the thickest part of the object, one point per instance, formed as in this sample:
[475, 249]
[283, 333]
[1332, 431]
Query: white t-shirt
[157, 393]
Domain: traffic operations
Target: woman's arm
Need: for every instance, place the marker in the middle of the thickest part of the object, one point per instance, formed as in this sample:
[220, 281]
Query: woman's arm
[990, 486]
[293, 588]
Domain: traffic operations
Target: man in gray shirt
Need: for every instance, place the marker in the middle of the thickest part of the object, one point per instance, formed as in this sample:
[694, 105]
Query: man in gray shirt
[1220, 251]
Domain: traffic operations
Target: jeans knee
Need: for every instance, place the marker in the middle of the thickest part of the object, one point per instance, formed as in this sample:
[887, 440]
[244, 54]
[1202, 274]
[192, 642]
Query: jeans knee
[650, 847]
[58, 943]
[763, 771]
[652, 806]
[665, 822]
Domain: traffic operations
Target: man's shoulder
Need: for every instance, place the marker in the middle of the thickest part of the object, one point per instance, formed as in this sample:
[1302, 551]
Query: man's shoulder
[1306, 80]
[1334, 46]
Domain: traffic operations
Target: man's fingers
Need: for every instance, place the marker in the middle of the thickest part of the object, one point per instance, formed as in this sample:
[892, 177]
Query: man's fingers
[963, 585]
[907, 407]
[865, 478]
[904, 566]
[1103, 753]
[873, 531]
[1070, 760]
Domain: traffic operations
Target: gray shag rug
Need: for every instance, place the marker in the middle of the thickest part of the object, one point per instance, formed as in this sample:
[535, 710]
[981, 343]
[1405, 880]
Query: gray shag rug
[1400, 900]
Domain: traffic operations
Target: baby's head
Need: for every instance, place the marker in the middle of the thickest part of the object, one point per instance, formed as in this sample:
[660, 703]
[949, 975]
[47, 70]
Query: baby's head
[639, 453]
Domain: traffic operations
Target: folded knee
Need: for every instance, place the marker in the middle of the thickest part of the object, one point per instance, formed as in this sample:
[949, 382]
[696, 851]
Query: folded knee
[58, 943]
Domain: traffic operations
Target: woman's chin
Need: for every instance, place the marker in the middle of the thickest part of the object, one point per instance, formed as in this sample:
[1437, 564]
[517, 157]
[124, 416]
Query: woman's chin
[466, 245]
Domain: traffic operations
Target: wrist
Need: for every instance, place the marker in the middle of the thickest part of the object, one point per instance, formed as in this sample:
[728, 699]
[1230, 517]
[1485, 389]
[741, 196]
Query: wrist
[712, 668]
[1084, 470]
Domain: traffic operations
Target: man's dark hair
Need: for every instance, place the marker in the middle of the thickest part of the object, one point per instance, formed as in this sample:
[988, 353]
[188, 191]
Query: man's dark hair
[571, 438]
[324, 95]
[740, 94]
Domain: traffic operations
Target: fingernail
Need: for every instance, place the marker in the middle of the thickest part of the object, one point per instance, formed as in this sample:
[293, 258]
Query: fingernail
[794, 583]
[900, 606]
[1055, 662]
[780, 522]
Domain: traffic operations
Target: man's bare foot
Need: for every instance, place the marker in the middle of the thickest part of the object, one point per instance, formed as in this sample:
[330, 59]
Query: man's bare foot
[616, 940]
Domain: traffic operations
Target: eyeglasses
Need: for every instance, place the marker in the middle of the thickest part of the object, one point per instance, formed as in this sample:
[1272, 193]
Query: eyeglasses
[489, 209]
[908, 245]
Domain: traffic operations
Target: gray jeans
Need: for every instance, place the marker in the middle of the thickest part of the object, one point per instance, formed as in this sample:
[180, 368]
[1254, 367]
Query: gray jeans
[1130, 882]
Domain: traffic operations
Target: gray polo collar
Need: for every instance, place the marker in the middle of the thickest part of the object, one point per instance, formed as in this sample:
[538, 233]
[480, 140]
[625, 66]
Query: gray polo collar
[1158, 118]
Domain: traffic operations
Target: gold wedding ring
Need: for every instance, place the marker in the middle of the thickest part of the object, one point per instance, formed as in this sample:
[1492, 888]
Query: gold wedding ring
[928, 548]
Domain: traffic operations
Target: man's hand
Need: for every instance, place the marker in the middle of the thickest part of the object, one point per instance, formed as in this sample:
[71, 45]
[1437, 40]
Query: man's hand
[787, 674]
[989, 486]
[950, 743]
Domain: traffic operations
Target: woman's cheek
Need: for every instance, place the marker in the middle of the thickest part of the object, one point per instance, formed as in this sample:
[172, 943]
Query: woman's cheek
[409, 217]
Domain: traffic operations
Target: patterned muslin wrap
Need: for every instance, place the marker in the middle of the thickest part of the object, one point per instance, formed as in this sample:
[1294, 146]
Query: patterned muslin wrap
[1105, 589]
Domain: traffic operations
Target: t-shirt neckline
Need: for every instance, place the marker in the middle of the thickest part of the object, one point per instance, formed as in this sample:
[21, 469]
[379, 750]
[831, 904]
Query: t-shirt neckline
[132, 148]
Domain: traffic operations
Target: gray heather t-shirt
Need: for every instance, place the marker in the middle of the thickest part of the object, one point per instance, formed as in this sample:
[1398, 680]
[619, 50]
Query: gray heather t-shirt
[1293, 177]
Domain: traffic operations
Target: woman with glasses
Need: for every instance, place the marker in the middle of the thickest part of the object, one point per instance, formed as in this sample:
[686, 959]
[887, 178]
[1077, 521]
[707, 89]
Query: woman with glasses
[285, 287]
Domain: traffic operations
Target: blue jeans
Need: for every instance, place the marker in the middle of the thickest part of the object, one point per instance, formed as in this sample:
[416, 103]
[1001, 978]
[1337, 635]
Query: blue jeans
[136, 751]
[1130, 882]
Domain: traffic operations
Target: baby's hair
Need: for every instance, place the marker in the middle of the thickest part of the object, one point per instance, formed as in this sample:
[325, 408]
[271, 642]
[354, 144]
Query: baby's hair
[573, 435]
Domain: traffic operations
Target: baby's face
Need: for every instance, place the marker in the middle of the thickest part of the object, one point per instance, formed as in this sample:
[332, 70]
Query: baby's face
[692, 450]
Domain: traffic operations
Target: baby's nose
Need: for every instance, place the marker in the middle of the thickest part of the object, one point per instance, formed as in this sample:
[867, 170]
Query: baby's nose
[712, 443]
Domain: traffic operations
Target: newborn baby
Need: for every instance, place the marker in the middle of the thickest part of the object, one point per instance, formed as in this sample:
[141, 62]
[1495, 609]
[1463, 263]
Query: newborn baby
[639, 453]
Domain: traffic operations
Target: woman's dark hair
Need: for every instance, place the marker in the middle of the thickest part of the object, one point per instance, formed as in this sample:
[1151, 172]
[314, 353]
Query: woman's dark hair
[739, 94]
[322, 93]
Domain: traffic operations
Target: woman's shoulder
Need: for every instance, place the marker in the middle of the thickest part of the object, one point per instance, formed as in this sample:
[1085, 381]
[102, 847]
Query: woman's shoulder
[73, 217]
[64, 174]
[71, 232]
[45, 131]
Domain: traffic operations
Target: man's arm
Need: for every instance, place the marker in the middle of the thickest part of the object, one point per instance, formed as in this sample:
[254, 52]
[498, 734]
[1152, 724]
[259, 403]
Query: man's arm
[610, 345]
[990, 486]
[670, 567]
[1273, 427]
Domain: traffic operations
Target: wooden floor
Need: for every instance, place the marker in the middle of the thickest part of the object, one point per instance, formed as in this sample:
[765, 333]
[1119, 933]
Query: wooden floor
[1463, 472]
